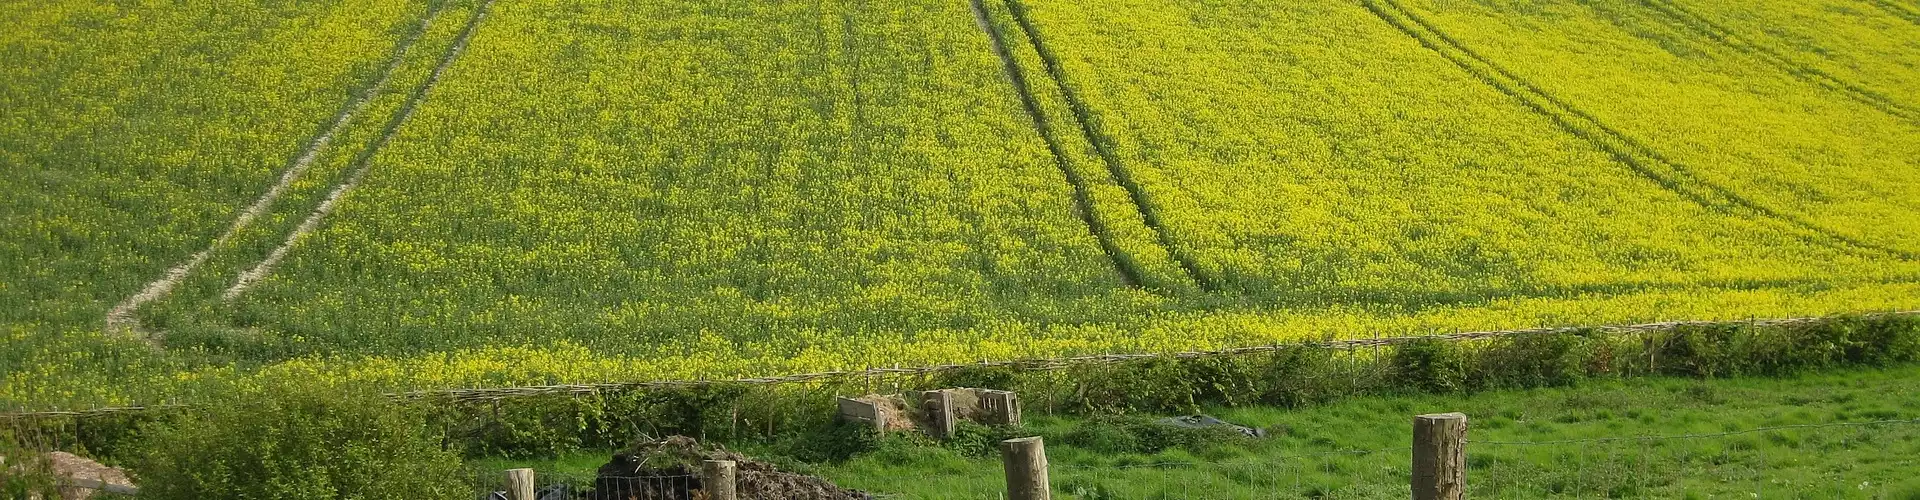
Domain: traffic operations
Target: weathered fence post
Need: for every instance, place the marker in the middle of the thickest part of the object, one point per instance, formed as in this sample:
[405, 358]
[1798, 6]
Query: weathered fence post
[1440, 456]
[1025, 460]
[717, 478]
[520, 484]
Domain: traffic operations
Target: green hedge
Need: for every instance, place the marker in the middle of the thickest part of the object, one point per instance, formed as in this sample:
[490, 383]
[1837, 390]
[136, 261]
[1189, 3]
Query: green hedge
[798, 416]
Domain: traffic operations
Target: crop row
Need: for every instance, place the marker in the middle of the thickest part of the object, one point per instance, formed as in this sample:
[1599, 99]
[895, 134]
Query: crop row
[1689, 20]
[680, 190]
[134, 134]
[1782, 142]
[637, 185]
[1627, 150]
[1868, 47]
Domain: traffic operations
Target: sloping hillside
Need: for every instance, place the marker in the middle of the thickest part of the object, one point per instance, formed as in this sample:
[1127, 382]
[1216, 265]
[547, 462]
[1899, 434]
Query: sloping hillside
[494, 192]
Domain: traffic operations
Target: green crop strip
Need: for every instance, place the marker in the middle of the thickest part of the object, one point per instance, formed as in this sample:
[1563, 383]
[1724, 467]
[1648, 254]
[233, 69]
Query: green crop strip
[1687, 20]
[1649, 163]
[1102, 145]
[1082, 199]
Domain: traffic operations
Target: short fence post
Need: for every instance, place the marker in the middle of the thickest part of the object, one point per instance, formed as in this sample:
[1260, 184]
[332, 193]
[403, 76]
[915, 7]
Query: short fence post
[520, 484]
[1440, 456]
[1025, 460]
[717, 478]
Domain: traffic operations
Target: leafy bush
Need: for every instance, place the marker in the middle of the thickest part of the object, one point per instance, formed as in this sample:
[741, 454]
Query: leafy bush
[23, 469]
[1298, 376]
[1531, 361]
[296, 442]
[976, 440]
[832, 442]
[1430, 366]
[1155, 385]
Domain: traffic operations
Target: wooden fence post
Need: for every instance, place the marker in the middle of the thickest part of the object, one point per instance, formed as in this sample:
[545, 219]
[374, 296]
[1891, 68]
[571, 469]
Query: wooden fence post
[1025, 460]
[1440, 456]
[717, 478]
[520, 484]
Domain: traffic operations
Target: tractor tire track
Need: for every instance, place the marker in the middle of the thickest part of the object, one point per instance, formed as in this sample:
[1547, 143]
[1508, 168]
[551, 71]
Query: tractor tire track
[362, 163]
[121, 317]
[1082, 196]
[1897, 10]
[1687, 20]
[1102, 145]
[1635, 155]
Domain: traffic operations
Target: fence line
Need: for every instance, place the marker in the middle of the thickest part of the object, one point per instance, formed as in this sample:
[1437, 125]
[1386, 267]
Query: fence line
[1039, 364]
[1607, 470]
[1697, 436]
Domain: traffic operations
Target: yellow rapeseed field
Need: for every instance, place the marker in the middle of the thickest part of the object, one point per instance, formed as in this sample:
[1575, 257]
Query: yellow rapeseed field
[467, 193]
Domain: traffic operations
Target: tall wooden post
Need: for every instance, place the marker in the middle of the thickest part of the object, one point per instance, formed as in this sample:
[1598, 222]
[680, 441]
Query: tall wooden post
[1025, 460]
[1440, 456]
[717, 478]
[520, 484]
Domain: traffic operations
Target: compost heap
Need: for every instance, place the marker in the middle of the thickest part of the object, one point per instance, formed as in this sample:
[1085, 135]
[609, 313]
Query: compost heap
[669, 469]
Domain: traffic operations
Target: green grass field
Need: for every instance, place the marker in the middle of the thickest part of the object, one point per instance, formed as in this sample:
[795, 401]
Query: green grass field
[1357, 448]
[1828, 462]
[459, 193]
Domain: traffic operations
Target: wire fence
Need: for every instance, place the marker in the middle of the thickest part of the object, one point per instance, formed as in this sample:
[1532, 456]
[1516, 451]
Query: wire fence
[489, 485]
[1867, 460]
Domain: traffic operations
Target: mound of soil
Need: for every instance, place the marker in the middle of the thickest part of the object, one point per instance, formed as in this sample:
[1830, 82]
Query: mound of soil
[669, 469]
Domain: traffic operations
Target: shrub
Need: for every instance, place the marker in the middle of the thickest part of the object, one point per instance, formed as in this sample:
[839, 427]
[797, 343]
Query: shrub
[296, 442]
[830, 442]
[1528, 361]
[1432, 366]
[24, 471]
[1299, 376]
[1160, 384]
[976, 440]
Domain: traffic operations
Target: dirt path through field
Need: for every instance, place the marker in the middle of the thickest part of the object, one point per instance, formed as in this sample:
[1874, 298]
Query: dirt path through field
[121, 317]
[247, 278]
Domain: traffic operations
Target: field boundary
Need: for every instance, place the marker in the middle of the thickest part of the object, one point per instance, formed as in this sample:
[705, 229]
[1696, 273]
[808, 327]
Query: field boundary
[1690, 21]
[1041, 364]
[1635, 155]
[362, 163]
[1082, 197]
[122, 315]
[1101, 145]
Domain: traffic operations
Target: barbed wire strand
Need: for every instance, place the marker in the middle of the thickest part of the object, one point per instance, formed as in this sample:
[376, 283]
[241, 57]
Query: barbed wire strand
[1694, 436]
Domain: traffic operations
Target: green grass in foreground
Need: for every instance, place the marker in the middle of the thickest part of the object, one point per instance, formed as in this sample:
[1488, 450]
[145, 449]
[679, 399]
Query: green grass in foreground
[1829, 462]
[1092, 458]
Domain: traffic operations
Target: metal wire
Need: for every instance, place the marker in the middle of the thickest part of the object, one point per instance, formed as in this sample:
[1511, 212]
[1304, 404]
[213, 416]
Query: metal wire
[1696, 436]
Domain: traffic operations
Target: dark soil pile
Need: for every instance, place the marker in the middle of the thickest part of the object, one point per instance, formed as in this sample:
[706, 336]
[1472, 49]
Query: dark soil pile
[669, 469]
